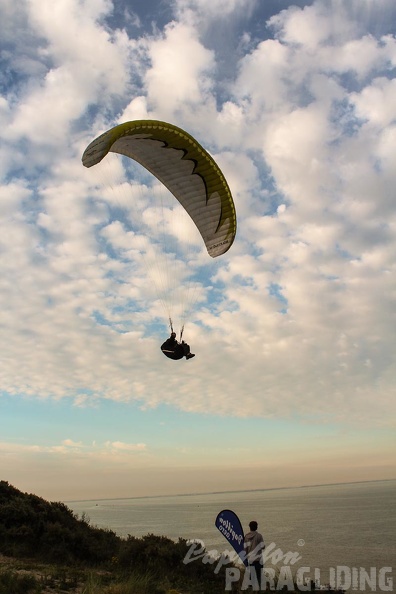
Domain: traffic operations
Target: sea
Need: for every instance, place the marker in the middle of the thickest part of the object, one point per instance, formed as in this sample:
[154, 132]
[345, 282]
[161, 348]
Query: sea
[340, 535]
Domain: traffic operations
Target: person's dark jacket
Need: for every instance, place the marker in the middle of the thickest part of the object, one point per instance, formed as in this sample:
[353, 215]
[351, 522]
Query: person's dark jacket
[172, 349]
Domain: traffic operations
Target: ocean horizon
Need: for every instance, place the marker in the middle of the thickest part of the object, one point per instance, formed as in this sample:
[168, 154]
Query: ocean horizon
[325, 527]
[66, 501]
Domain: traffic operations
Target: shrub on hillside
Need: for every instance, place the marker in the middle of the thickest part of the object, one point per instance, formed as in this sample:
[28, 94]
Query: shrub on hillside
[33, 527]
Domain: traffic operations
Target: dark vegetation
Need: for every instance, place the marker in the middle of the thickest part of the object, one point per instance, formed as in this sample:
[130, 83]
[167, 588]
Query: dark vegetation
[47, 549]
[35, 528]
[40, 533]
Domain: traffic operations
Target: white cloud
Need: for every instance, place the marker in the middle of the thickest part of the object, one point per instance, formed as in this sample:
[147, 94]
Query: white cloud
[71, 443]
[312, 26]
[82, 63]
[126, 447]
[377, 102]
[179, 70]
[71, 448]
[202, 12]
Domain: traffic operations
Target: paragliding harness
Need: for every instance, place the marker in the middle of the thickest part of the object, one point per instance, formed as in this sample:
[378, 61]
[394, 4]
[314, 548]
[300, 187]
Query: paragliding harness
[174, 349]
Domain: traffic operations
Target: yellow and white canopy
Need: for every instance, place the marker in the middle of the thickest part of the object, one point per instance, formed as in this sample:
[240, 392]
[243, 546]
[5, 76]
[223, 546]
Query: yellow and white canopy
[179, 162]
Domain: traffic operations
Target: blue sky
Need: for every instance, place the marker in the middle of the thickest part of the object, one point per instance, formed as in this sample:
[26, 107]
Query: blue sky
[293, 329]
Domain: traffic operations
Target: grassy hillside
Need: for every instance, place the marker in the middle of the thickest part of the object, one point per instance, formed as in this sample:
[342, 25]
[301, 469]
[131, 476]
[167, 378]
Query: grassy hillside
[51, 540]
[33, 527]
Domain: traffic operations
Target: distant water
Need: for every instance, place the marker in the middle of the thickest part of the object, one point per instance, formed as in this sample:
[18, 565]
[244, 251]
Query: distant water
[352, 525]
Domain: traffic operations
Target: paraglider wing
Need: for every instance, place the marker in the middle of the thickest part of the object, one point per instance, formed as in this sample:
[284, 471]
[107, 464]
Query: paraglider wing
[188, 171]
[231, 528]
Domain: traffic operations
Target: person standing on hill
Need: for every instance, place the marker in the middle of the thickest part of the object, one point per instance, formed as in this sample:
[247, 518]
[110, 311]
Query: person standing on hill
[254, 546]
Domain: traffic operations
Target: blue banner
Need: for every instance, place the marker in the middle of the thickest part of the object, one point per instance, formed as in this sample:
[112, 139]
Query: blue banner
[231, 528]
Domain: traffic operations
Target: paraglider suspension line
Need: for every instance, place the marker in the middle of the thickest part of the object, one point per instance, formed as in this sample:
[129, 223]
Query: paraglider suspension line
[171, 327]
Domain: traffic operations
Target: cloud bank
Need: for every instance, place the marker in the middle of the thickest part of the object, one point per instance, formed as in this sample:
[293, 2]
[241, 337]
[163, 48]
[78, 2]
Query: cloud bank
[297, 320]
